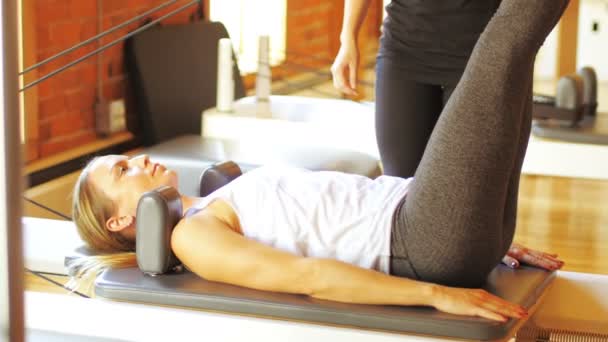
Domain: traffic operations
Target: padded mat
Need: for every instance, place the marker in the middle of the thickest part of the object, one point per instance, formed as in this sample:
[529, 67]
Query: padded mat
[523, 286]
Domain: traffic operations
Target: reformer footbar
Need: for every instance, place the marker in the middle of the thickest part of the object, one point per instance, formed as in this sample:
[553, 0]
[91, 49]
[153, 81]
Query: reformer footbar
[157, 214]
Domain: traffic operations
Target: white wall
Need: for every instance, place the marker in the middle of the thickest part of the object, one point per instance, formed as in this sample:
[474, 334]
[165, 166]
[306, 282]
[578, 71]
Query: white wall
[593, 46]
[546, 60]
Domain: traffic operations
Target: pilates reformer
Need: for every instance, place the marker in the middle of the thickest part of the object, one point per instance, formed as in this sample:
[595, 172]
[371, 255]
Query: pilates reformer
[570, 115]
[185, 289]
[157, 281]
[175, 287]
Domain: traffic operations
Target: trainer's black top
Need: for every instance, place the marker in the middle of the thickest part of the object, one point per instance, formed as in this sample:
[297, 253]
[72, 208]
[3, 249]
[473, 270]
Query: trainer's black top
[434, 38]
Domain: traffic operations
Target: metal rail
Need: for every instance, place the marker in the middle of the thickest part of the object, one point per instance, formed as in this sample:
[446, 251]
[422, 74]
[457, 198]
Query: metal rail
[107, 46]
[97, 37]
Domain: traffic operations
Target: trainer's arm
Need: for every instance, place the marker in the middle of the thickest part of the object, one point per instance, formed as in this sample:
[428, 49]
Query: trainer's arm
[354, 13]
[208, 247]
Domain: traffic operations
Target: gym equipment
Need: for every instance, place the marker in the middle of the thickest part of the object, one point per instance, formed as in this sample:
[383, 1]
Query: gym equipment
[217, 176]
[157, 211]
[161, 209]
[576, 97]
[567, 105]
[169, 100]
[188, 290]
[571, 115]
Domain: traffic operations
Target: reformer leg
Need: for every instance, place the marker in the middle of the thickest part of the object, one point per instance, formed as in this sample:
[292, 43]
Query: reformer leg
[453, 217]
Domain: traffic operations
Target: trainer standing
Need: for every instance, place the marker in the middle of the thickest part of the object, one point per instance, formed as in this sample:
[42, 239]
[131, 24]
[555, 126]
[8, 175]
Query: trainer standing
[424, 48]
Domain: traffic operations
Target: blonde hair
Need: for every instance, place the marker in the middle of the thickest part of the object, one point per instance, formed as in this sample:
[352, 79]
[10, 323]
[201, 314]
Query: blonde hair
[91, 209]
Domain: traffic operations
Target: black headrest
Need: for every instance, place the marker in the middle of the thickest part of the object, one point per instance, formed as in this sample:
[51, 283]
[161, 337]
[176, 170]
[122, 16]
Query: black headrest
[159, 211]
[217, 176]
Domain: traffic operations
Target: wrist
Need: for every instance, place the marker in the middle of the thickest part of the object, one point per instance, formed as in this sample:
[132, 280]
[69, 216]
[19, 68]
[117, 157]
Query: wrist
[348, 38]
[431, 293]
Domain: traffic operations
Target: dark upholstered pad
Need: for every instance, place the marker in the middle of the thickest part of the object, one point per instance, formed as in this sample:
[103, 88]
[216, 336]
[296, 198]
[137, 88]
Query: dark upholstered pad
[173, 73]
[522, 286]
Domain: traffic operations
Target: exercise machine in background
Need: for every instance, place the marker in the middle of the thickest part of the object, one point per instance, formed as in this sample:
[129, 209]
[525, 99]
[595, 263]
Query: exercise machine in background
[571, 115]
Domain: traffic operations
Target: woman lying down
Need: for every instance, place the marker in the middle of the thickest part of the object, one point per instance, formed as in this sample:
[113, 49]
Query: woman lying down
[428, 240]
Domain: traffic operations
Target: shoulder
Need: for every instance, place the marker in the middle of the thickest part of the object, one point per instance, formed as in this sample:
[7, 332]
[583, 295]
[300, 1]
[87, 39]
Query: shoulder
[217, 213]
[202, 238]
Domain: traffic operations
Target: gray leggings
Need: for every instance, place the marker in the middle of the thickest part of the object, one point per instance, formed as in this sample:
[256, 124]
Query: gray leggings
[458, 219]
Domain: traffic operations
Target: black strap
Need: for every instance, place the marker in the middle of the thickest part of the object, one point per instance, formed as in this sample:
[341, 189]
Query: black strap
[66, 217]
[40, 275]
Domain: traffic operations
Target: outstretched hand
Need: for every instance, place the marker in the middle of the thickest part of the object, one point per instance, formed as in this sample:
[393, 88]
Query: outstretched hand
[475, 302]
[518, 254]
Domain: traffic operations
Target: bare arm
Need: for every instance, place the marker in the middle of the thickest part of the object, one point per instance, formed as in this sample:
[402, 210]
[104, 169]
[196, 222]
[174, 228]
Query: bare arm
[354, 13]
[344, 68]
[210, 248]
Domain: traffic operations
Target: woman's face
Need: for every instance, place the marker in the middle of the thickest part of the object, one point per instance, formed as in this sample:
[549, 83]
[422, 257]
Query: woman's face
[124, 180]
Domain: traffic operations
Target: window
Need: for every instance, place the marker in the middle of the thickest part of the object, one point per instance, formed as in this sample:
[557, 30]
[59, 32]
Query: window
[245, 21]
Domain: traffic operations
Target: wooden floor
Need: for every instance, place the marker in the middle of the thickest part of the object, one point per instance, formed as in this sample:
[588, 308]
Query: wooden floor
[566, 216]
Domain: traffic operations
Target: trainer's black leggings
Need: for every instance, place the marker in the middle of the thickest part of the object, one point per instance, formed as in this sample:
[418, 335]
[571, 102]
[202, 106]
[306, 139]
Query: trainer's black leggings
[406, 112]
[458, 218]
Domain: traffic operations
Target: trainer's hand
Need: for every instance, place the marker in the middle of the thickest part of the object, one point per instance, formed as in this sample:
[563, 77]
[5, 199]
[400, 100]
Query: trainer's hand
[518, 254]
[475, 302]
[344, 69]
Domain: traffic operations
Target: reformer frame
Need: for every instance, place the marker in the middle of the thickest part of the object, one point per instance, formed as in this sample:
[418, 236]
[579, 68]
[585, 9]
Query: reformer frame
[545, 280]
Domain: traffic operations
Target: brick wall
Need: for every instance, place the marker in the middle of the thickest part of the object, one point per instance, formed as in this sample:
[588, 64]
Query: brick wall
[313, 29]
[66, 101]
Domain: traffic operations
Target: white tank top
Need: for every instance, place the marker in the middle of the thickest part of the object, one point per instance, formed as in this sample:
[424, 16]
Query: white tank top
[321, 214]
